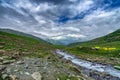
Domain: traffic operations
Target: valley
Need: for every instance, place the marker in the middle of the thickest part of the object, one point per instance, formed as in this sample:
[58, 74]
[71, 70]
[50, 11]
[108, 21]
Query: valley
[104, 50]
[25, 58]
[59, 39]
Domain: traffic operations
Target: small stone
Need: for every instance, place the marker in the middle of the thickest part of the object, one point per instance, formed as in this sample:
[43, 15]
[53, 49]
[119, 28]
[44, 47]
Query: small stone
[108, 76]
[2, 68]
[8, 70]
[1, 63]
[1, 59]
[1, 47]
[8, 61]
[16, 55]
[2, 51]
[36, 76]
[2, 43]
[21, 72]
[16, 70]
[26, 66]
[20, 62]
[4, 76]
[111, 58]
[27, 73]
[13, 77]
[5, 57]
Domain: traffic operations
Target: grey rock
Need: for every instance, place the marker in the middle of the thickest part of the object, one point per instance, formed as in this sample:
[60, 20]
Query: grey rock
[13, 77]
[4, 76]
[5, 57]
[8, 61]
[36, 76]
[20, 62]
[27, 73]
[1, 59]
[2, 68]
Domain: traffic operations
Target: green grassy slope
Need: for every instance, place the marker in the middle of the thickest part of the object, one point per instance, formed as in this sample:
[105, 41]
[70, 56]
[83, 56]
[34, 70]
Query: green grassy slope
[104, 49]
[110, 38]
[11, 43]
[22, 34]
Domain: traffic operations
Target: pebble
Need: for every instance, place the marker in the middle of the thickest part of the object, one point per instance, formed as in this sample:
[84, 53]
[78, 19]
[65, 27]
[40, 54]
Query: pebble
[21, 72]
[20, 62]
[27, 73]
[26, 66]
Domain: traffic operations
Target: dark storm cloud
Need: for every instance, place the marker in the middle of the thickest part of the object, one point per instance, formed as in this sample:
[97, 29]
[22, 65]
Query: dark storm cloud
[51, 1]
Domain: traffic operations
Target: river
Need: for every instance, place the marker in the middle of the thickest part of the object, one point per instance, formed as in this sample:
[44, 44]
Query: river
[111, 73]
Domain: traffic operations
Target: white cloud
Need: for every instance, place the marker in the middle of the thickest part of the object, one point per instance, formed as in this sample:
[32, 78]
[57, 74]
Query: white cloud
[99, 14]
[41, 20]
[63, 37]
[58, 38]
[73, 0]
[76, 36]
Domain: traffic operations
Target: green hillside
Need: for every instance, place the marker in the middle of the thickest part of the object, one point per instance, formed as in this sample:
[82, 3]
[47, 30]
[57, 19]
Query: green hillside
[11, 43]
[110, 38]
[105, 49]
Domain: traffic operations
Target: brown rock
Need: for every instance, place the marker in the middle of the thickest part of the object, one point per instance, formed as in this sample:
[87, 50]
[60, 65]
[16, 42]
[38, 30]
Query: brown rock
[2, 51]
[1, 47]
[16, 55]
[2, 43]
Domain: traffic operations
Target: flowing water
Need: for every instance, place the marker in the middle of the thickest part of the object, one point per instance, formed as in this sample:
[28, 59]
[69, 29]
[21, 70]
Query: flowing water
[88, 66]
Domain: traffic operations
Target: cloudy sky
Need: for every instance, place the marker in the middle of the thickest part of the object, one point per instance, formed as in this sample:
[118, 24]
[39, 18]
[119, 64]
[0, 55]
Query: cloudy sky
[66, 21]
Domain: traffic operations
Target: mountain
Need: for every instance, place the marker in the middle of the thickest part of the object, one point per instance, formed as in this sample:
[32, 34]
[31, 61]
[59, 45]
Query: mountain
[25, 43]
[22, 34]
[110, 38]
[63, 42]
[105, 49]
